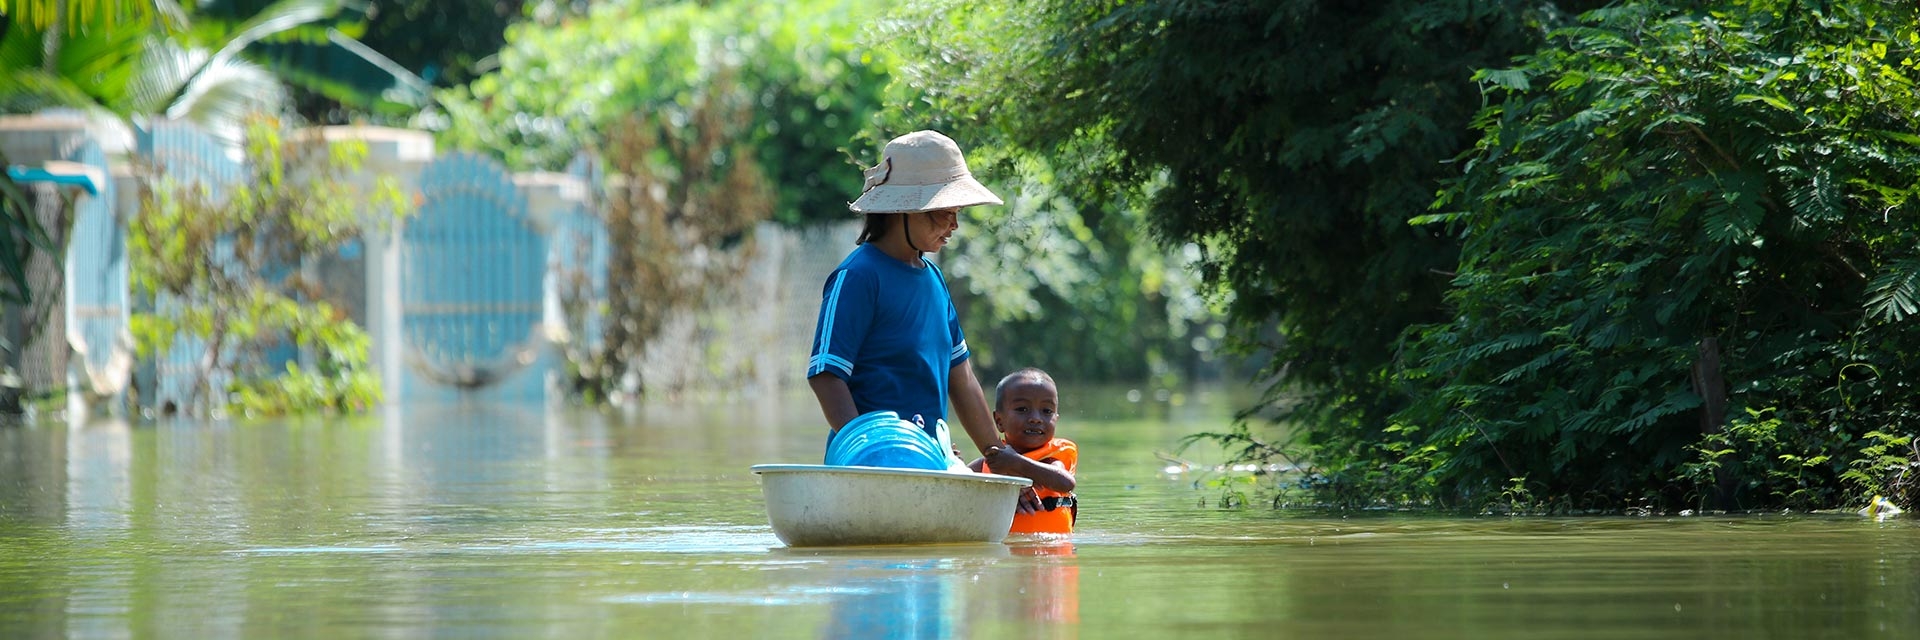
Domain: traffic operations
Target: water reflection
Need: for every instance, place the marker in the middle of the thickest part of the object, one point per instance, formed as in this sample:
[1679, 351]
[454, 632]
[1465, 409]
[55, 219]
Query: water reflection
[943, 592]
[897, 599]
[1050, 584]
[99, 458]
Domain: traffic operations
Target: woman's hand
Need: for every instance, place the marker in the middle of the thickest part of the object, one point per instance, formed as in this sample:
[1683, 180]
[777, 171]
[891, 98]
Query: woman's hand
[1005, 461]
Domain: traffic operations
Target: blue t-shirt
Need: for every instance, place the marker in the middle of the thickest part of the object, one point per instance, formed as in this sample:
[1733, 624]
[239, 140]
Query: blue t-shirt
[890, 330]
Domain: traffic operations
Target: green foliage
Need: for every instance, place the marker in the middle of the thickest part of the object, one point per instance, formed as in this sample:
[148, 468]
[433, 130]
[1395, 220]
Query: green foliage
[1518, 496]
[562, 89]
[22, 239]
[228, 268]
[1236, 490]
[1049, 263]
[1671, 215]
[1109, 302]
[214, 65]
[1775, 462]
[316, 46]
[1285, 142]
[1662, 198]
[301, 390]
[76, 16]
[21, 235]
[35, 72]
[1889, 465]
[683, 195]
[133, 71]
[444, 42]
[1065, 276]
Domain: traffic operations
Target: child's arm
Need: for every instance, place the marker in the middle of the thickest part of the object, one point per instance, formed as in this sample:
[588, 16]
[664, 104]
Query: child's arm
[1058, 477]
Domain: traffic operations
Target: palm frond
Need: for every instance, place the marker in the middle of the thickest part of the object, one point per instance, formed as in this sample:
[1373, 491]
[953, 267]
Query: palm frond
[224, 94]
[30, 90]
[102, 62]
[346, 70]
[280, 17]
[166, 69]
[22, 47]
[82, 15]
[277, 18]
[1894, 294]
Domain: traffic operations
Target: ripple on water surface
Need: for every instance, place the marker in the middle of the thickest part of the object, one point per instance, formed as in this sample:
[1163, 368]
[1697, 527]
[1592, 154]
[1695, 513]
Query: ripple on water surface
[669, 539]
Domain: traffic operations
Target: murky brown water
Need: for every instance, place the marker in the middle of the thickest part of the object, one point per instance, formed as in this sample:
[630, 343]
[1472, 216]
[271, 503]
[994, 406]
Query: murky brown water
[519, 522]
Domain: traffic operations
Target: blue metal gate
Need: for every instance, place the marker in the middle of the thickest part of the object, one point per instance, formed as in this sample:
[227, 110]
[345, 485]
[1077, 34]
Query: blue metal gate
[472, 262]
[97, 285]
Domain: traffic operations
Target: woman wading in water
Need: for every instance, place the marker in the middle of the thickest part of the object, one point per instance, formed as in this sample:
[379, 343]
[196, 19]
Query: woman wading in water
[888, 337]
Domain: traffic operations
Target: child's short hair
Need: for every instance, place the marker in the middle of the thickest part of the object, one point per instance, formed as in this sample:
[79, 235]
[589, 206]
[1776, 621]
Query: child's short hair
[1029, 373]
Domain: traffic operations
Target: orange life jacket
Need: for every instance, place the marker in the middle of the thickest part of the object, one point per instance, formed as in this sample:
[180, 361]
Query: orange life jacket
[1058, 509]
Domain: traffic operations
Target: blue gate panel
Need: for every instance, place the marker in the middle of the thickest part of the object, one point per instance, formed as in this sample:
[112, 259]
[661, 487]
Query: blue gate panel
[471, 274]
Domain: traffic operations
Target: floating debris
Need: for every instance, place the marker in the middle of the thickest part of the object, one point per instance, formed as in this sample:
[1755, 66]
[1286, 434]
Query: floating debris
[1880, 508]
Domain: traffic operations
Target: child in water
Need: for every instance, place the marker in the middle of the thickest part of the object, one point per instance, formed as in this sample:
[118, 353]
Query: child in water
[1025, 409]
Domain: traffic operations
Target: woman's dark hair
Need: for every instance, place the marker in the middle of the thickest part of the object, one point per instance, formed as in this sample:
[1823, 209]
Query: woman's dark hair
[876, 226]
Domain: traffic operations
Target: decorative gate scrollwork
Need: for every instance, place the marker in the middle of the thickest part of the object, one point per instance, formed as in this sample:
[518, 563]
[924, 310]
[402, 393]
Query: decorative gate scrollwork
[471, 271]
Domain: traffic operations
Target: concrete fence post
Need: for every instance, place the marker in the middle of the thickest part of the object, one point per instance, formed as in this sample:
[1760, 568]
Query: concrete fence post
[368, 279]
[39, 150]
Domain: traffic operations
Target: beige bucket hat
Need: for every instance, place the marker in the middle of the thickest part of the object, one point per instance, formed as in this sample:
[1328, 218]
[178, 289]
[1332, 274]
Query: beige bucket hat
[921, 171]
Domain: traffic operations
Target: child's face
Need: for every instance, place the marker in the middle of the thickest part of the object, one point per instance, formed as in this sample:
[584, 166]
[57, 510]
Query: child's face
[1027, 413]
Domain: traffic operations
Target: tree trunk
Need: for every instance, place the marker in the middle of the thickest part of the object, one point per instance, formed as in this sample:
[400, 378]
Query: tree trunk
[1711, 385]
[202, 390]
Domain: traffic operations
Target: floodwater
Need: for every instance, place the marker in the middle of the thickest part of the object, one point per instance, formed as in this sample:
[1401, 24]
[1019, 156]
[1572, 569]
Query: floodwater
[492, 521]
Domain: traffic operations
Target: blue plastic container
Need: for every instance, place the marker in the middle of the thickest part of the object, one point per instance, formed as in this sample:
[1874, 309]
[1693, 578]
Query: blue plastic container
[882, 439]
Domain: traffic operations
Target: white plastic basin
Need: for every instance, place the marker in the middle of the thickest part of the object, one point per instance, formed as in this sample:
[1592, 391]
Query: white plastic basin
[812, 505]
